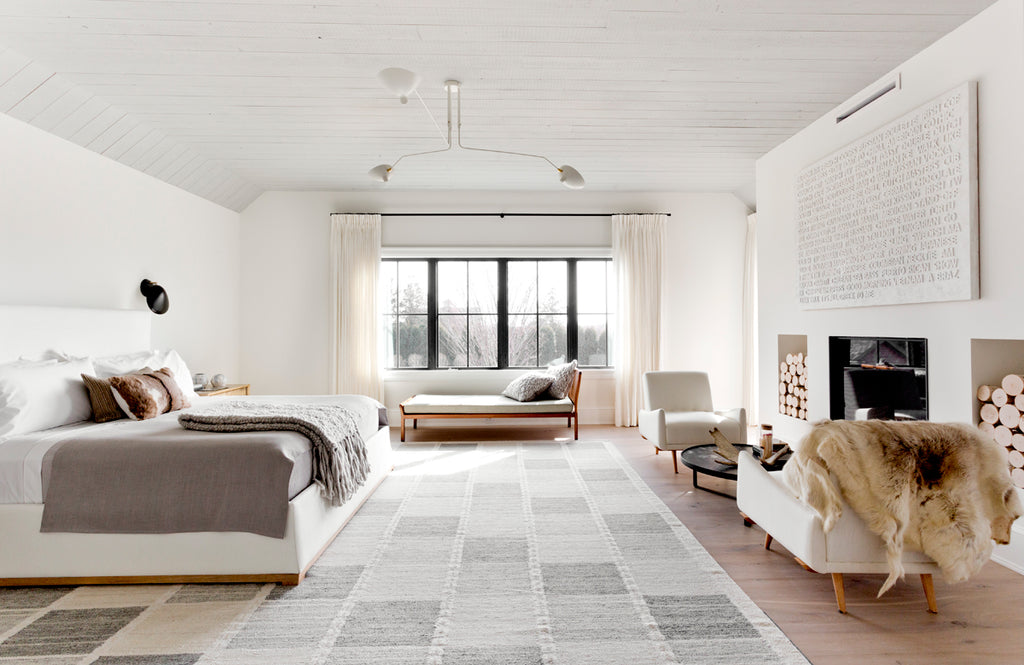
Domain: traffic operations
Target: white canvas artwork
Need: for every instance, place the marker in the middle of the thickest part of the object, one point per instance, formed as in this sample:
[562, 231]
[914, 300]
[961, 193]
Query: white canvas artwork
[893, 217]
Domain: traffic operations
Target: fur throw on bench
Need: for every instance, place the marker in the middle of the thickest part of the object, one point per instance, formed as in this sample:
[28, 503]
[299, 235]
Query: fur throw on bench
[942, 489]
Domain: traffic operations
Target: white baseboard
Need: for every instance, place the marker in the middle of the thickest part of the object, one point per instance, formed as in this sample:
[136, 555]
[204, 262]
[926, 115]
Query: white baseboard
[1012, 555]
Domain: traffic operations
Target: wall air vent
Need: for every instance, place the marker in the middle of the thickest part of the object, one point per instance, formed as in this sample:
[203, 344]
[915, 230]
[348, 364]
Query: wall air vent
[886, 88]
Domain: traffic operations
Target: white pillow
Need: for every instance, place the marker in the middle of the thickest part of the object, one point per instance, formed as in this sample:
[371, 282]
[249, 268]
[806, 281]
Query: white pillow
[127, 363]
[182, 376]
[124, 363]
[44, 356]
[26, 362]
[40, 396]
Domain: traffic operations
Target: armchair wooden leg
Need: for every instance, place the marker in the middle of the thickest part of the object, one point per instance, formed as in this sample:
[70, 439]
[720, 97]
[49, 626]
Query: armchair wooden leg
[767, 541]
[675, 461]
[929, 592]
[837, 584]
[657, 450]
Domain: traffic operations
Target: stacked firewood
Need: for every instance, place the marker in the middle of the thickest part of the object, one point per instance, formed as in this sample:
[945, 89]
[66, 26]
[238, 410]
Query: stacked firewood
[1001, 408]
[793, 386]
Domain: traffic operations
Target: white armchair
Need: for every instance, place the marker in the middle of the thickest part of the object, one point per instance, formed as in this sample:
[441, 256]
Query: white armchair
[763, 498]
[678, 414]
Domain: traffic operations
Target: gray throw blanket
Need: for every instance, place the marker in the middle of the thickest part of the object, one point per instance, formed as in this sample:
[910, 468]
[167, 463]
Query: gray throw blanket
[339, 454]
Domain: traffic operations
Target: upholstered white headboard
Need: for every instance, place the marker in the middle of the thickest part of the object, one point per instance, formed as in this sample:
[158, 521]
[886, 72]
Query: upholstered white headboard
[26, 330]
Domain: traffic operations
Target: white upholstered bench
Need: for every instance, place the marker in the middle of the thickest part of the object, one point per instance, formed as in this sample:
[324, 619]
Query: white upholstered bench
[420, 407]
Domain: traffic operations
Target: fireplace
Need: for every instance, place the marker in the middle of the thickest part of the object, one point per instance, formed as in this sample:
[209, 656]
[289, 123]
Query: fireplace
[878, 377]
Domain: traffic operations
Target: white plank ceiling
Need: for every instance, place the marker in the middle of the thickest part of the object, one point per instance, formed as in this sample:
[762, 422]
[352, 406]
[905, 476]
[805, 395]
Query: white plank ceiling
[227, 99]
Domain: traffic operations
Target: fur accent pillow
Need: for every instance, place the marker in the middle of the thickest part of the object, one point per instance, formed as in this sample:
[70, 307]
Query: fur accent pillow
[528, 386]
[147, 395]
[561, 379]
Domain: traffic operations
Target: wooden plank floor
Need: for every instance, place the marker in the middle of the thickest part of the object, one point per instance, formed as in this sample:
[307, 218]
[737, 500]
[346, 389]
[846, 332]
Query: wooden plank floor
[980, 622]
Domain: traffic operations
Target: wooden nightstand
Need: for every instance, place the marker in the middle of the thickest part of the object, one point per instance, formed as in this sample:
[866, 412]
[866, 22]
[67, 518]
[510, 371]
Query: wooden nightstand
[230, 389]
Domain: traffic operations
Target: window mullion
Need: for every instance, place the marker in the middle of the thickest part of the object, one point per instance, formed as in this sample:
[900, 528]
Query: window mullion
[571, 323]
[432, 322]
[502, 313]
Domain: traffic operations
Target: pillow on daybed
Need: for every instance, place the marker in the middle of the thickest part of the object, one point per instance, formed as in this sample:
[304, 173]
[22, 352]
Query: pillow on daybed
[561, 379]
[528, 386]
[41, 395]
[147, 394]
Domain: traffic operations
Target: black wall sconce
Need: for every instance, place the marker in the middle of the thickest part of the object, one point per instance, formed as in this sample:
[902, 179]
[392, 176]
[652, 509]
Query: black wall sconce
[156, 297]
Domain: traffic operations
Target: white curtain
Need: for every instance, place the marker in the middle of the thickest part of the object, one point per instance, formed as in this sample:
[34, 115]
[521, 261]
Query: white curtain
[637, 250]
[750, 358]
[355, 320]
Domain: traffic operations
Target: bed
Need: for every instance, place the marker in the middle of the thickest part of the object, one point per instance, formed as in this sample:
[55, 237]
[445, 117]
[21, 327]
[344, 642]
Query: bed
[31, 557]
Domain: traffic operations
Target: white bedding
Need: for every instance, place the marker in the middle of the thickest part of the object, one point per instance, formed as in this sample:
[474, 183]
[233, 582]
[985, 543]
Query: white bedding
[21, 457]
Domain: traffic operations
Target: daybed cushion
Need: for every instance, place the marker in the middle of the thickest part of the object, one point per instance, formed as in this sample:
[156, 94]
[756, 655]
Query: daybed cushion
[483, 404]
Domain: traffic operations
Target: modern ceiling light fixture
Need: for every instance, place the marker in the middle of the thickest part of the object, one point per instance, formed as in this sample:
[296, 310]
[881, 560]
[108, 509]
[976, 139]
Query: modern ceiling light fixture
[403, 83]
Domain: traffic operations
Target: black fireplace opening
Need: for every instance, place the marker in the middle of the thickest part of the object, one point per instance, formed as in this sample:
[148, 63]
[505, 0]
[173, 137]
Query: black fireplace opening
[878, 378]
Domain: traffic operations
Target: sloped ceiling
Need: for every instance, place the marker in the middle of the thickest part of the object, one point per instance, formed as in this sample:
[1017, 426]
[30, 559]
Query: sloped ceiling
[229, 99]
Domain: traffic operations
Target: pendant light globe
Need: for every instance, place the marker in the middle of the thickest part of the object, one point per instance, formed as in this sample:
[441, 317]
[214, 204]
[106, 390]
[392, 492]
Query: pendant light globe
[570, 177]
[400, 82]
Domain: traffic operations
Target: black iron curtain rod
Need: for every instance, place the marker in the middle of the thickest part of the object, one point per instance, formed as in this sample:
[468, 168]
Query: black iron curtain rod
[510, 214]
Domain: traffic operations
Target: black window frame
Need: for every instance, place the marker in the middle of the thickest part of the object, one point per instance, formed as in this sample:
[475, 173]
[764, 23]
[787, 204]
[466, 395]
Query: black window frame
[572, 321]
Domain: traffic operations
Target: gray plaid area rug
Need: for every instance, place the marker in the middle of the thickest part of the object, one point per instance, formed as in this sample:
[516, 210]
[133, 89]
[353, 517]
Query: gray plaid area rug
[503, 553]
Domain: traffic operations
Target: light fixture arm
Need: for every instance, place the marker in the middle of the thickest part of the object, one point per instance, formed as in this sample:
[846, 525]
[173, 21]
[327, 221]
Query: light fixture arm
[448, 140]
[568, 175]
[500, 152]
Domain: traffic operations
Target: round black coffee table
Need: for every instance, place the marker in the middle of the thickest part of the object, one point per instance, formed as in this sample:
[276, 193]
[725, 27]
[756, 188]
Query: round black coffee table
[703, 459]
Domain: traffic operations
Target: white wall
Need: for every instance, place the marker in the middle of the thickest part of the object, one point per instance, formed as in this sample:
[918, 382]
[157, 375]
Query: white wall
[987, 49]
[80, 230]
[285, 273]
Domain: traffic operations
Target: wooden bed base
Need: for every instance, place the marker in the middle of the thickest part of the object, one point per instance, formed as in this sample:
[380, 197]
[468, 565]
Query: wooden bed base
[573, 417]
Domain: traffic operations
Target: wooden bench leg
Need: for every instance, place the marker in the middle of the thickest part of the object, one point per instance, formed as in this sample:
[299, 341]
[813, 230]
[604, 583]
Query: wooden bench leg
[414, 421]
[929, 592]
[403, 429]
[837, 584]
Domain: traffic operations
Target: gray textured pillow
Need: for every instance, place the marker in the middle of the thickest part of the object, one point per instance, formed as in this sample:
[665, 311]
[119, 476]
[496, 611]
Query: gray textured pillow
[561, 379]
[527, 387]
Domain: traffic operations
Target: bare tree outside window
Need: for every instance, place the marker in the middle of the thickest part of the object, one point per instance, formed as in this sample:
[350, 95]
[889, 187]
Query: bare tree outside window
[492, 313]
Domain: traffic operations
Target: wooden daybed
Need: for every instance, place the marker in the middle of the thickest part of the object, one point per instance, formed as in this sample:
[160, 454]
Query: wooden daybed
[420, 407]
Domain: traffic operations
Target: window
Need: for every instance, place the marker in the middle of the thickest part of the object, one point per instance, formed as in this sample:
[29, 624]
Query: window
[404, 287]
[496, 313]
[467, 313]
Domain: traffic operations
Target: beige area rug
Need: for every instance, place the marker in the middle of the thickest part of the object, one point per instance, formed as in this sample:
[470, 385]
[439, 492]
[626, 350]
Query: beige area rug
[504, 553]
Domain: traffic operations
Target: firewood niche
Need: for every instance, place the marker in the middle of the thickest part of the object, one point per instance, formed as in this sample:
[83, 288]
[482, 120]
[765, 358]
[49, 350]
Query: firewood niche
[997, 369]
[793, 383]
